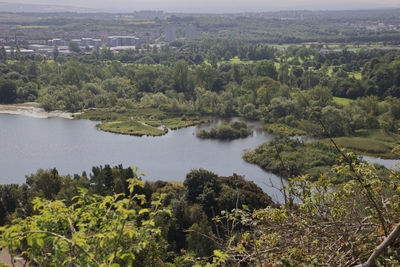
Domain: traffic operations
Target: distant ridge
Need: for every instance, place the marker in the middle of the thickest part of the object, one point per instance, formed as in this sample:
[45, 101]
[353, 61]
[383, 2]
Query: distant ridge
[40, 8]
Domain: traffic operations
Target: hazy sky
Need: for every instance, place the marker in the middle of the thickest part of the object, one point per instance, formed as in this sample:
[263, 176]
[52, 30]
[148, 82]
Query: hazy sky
[219, 5]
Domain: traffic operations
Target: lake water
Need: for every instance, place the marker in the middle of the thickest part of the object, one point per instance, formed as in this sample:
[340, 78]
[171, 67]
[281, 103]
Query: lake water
[73, 146]
[388, 163]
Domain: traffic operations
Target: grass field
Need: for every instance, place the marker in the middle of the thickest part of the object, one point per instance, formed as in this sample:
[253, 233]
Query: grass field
[279, 128]
[147, 128]
[371, 142]
[342, 101]
[130, 127]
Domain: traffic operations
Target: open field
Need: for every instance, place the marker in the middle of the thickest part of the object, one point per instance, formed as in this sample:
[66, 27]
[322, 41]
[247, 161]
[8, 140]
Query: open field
[343, 101]
[371, 142]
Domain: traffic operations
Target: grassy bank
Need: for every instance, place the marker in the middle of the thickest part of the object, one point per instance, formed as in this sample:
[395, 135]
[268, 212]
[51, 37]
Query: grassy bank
[282, 153]
[279, 128]
[373, 142]
[298, 157]
[138, 122]
[131, 127]
[343, 101]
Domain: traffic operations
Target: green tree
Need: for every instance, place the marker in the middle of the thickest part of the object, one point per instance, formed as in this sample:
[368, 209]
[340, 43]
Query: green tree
[326, 212]
[94, 231]
[321, 95]
[106, 54]
[198, 240]
[8, 91]
[44, 183]
[56, 52]
[96, 52]
[266, 68]
[3, 53]
[74, 47]
[181, 77]
[197, 182]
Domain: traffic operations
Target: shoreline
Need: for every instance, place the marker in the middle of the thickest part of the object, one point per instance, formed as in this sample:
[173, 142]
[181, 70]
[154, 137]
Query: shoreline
[32, 109]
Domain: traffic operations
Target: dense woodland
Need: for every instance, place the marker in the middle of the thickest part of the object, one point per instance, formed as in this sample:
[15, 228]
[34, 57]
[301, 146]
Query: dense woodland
[355, 93]
[336, 210]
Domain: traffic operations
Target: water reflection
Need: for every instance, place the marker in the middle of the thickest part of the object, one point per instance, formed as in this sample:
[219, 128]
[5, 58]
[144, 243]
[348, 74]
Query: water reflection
[73, 146]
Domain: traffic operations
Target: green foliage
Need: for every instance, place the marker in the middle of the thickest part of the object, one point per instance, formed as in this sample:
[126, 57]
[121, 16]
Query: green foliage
[45, 183]
[131, 128]
[74, 47]
[186, 228]
[198, 238]
[298, 157]
[95, 230]
[329, 224]
[372, 142]
[282, 129]
[8, 91]
[199, 183]
[231, 71]
[181, 77]
[233, 130]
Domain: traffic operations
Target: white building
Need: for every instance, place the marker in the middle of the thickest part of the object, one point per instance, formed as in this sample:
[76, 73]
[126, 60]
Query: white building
[57, 42]
[170, 33]
[114, 41]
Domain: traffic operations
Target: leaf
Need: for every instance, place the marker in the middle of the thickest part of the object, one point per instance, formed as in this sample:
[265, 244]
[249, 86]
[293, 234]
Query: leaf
[142, 211]
[40, 242]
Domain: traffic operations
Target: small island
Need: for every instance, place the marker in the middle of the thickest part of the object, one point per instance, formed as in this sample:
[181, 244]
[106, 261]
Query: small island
[138, 122]
[233, 130]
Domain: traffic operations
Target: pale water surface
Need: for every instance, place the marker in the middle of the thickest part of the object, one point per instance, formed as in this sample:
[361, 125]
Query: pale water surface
[73, 146]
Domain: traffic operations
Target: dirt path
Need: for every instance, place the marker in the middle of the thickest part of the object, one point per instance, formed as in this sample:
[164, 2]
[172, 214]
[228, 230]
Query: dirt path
[5, 258]
[32, 109]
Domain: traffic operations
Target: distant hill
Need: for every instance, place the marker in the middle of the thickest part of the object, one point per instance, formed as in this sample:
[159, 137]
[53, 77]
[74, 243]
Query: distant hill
[37, 8]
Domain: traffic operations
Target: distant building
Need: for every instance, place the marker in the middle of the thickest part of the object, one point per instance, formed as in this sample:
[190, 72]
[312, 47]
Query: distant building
[83, 42]
[170, 33]
[190, 32]
[57, 42]
[42, 42]
[122, 48]
[86, 42]
[77, 41]
[97, 42]
[24, 52]
[114, 41]
[42, 49]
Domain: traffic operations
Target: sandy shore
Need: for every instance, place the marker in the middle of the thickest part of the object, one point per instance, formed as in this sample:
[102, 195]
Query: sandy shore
[33, 110]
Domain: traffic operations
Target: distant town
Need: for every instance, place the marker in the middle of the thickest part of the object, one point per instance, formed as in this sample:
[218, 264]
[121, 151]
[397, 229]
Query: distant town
[115, 43]
[29, 33]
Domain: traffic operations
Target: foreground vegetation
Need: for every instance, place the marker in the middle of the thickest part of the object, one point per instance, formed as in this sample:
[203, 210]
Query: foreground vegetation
[114, 219]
